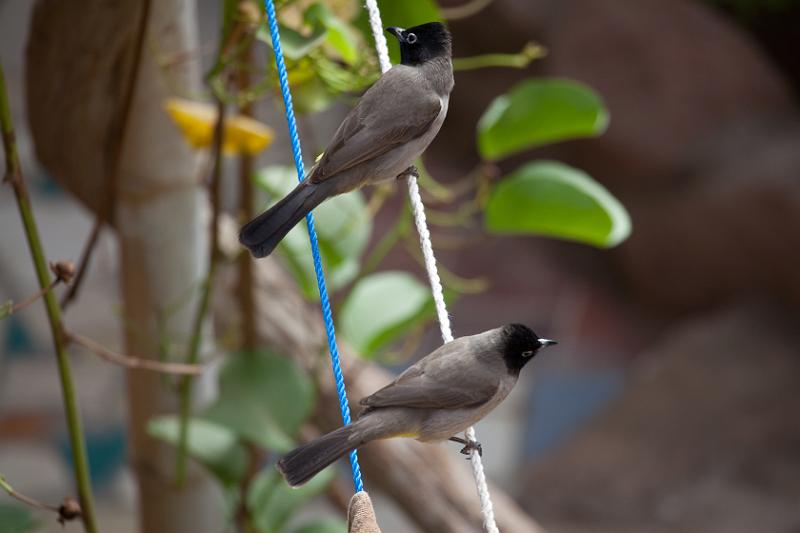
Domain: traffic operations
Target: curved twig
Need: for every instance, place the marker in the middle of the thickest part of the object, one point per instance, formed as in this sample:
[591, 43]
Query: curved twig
[133, 362]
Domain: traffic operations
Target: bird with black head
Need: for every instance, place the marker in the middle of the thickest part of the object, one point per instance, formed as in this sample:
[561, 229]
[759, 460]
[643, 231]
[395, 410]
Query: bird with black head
[438, 397]
[380, 138]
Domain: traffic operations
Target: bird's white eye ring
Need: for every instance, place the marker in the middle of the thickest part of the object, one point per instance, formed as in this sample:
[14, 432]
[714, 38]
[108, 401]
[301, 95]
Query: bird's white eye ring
[527, 353]
[411, 38]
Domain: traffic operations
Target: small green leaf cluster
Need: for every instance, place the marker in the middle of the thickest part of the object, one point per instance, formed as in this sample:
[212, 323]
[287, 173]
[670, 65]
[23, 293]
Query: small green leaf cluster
[549, 198]
[263, 400]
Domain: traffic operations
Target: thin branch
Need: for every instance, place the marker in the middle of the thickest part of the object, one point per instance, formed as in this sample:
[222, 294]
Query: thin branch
[467, 9]
[9, 308]
[245, 289]
[74, 426]
[68, 510]
[530, 53]
[83, 264]
[27, 500]
[128, 361]
[185, 386]
[242, 515]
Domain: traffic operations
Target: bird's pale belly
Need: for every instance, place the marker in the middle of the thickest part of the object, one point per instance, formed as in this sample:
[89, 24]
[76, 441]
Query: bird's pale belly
[393, 163]
[443, 424]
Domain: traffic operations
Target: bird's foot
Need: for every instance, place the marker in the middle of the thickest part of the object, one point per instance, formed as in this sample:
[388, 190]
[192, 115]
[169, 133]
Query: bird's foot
[410, 171]
[471, 447]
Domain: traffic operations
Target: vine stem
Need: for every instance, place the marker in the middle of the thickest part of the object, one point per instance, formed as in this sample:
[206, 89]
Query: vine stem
[185, 385]
[77, 443]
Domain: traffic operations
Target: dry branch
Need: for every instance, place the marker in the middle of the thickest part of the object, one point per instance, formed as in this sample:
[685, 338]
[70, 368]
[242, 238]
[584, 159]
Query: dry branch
[129, 361]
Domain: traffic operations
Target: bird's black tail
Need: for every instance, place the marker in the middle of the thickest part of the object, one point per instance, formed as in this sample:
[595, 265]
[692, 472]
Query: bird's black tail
[262, 234]
[306, 461]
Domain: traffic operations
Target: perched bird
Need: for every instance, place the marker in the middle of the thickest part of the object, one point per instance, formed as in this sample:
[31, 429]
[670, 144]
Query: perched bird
[441, 395]
[381, 137]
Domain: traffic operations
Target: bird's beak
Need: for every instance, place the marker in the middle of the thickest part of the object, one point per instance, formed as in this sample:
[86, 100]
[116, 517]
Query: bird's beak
[397, 32]
[546, 342]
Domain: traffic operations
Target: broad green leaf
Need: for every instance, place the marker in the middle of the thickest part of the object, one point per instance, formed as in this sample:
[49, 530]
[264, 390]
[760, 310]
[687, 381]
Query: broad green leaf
[343, 227]
[214, 446]
[403, 14]
[555, 200]
[341, 37]
[539, 112]
[325, 525]
[272, 502]
[16, 519]
[294, 44]
[381, 307]
[263, 398]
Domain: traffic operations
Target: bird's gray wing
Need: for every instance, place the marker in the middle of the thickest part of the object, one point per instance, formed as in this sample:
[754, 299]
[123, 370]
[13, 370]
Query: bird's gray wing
[398, 108]
[449, 378]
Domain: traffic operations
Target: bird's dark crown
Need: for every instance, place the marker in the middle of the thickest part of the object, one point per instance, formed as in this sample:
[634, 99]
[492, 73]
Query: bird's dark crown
[422, 43]
[520, 344]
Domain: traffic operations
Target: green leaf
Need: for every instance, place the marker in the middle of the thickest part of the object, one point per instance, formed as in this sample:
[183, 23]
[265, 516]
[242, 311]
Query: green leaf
[403, 14]
[556, 200]
[312, 95]
[6, 308]
[539, 112]
[294, 44]
[16, 519]
[272, 502]
[343, 228]
[341, 37]
[263, 398]
[212, 445]
[325, 525]
[381, 307]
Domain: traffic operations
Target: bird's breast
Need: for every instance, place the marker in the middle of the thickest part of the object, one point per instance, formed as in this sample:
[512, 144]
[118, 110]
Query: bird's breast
[391, 164]
[441, 424]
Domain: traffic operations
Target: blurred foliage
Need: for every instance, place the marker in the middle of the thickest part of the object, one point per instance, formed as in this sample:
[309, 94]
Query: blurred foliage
[213, 445]
[369, 323]
[263, 398]
[6, 308]
[272, 502]
[16, 519]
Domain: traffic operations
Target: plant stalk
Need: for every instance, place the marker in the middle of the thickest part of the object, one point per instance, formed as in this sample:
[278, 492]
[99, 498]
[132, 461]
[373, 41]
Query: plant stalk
[185, 385]
[77, 442]
[245, 289]
[531, 52]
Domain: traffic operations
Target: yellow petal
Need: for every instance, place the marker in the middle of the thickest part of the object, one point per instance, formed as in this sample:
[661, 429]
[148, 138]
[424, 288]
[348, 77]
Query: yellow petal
[196, 121]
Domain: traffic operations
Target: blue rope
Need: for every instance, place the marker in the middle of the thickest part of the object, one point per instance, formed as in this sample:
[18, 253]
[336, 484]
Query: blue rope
[312, 235]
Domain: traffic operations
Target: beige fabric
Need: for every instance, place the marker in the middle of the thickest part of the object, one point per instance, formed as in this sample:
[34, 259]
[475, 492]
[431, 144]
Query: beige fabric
[360, 515]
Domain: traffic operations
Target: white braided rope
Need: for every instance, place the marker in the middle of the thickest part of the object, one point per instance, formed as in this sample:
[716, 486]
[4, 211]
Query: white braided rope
[418, 210]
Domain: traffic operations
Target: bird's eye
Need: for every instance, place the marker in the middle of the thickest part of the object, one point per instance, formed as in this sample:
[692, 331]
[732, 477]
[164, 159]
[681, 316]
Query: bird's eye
[527, 353]
[411, 38]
